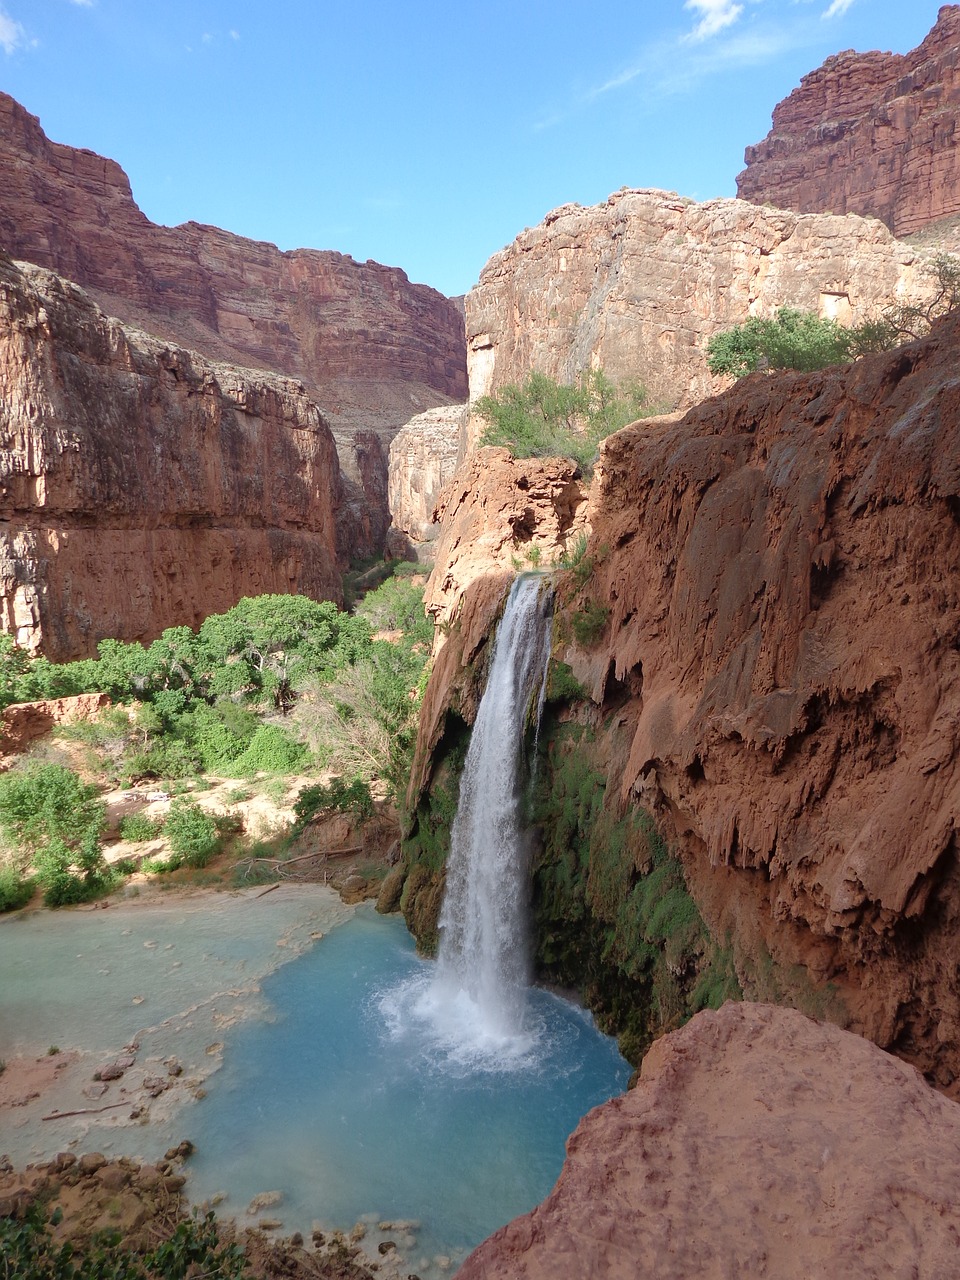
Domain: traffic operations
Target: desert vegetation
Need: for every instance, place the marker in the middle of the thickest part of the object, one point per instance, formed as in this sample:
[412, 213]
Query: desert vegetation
[277, 687]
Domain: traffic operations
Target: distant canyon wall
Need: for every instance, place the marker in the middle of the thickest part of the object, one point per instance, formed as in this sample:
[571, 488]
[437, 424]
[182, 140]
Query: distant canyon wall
[371, 347]
[142, 486]
[869, 133]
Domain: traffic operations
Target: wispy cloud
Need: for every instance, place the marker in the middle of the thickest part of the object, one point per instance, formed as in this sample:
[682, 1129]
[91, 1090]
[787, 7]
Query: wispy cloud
[12, 34]
[837, 9]
[84, 4]
[716, 16]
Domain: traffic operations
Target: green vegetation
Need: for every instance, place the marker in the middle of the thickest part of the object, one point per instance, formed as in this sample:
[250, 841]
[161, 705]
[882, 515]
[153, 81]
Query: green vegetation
[544, 418]
[54, 822]
[195, 1248]
[613, 913]
[336, 796]
[804, 340]
[276, 685]
[792, 340]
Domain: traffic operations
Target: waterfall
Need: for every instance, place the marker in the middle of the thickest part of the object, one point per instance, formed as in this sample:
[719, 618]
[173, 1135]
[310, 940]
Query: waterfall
[483, 964]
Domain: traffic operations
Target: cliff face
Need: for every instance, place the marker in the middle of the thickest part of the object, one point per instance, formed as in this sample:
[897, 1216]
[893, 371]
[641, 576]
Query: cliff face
[142, 486]
[764, 628]
[873, 133]
[424, 455]
[370, 346]
[640, 283]
[756, 1143]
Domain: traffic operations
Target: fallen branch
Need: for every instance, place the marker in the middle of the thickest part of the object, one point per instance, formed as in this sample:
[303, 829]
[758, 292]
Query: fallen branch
[264, 892]
[85, 1111]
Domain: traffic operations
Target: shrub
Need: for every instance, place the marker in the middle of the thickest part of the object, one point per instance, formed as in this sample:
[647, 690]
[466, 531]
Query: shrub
[137, 826]
[193, 835]
[337, 795]
[16, 889]
[270, 750]
[792, 340]
[544, 418]
[588, 621]
[43, 802]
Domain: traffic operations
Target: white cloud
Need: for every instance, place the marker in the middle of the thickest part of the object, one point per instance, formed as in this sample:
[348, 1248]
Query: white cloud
[234, 35]
[84, 4]
[12, 34]
[837, 9]
[716, 15]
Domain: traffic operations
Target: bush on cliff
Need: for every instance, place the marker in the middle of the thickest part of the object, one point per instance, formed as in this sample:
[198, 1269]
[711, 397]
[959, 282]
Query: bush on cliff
[792, 340]
[543, 418]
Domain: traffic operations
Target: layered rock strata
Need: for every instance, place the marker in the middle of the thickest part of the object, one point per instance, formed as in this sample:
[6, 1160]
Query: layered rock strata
[871, 133]
[368, 344]
[757, 1143]
[769, 665]
[424, 455]
[640, 283]
[142, 486]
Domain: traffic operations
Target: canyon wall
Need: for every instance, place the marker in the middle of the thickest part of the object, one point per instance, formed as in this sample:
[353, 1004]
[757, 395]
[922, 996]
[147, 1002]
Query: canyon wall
[371, 347]
[872, 133]
[756, 673]
[424, 455]
[142, 486]
[640, 283]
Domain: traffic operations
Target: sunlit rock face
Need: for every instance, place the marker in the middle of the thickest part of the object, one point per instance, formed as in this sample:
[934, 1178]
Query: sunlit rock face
[757, 1143]
[370, 346]
[424, 455]
[871, 133]
[639, 284]
[142, 486]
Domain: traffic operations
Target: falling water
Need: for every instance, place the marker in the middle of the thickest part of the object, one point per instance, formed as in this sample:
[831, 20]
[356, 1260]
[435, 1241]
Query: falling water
[483, 965]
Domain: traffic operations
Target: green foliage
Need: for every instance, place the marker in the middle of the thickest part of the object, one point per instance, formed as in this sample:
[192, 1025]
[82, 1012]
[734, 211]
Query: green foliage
[270, 750]
[137, 826]
[337, 795]
[562, 685]
[193, 835]
[544, 418]
[613, 913]
[792, 340]
[39, 802]
[16, 889]
[195, 1248]
[588, 622]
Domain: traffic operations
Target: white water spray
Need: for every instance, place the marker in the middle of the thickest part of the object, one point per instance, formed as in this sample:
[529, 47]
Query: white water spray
[483, 963]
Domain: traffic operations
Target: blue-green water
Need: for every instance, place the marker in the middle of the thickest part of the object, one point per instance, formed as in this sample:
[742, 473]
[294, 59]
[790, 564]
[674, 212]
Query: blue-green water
[352, 1106]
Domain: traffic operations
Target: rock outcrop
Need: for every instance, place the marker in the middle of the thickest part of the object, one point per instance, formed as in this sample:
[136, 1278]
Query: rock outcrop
[27, 722]
[424, 455]
[764, 629]
[142, 486]
[872, 133]
[640, 283]
[757, 1143]
[371, 347]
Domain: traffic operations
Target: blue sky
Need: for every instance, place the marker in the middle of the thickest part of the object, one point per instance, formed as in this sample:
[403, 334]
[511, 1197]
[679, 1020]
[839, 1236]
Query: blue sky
[425, 135]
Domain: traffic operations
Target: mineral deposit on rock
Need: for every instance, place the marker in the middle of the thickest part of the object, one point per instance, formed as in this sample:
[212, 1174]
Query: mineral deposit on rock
[757, 1143]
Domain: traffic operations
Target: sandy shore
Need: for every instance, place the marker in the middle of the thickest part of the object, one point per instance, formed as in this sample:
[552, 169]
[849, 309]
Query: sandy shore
[146, 988]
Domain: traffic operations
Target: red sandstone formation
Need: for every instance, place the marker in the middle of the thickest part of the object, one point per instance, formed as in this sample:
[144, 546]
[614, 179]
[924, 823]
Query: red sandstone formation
[872, 133]
[26, 722]
[640, 283]
[368, 344]
[758, 1143]
[142, 486]
[781, 664]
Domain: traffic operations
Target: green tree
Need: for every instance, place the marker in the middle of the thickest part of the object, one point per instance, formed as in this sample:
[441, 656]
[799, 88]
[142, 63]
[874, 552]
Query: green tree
[40, 803]
[791, 340]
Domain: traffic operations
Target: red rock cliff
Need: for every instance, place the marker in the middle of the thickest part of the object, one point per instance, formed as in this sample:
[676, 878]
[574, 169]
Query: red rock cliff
[368, 344]
[757, 1144]
[781, 658]
[872, 133]
[142, 486]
